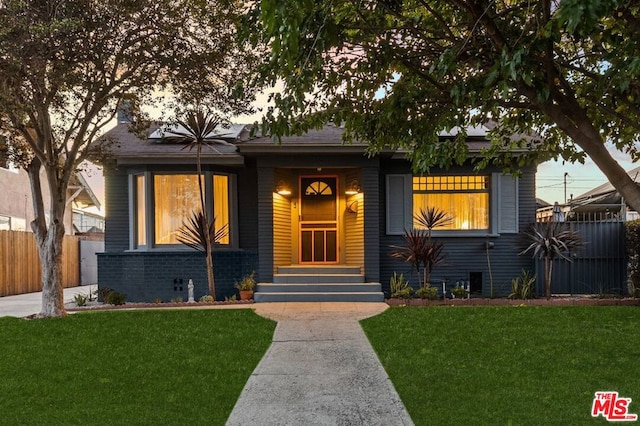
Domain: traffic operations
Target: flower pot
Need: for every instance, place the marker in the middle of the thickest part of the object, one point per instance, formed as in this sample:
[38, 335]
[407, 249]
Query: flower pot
[246, 294]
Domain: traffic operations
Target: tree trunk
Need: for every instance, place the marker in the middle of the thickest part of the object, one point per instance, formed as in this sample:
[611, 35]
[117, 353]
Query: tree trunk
[50, 252]
[49, 238]
[548, 269]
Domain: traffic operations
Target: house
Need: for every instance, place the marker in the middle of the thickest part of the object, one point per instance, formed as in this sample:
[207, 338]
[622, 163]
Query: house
[603, 202]
[16, 206]
[316, 219]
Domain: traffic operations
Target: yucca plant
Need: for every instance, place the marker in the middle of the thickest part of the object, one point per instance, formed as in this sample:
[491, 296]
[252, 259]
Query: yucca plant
[549, 241]
[199, 131]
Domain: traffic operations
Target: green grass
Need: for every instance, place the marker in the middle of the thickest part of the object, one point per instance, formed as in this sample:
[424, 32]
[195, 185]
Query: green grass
[508, 365]
[138, 367]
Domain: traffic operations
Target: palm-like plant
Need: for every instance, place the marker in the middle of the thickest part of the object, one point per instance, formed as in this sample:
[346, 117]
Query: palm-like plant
[550, 241]
[419, 250]
[198, 231]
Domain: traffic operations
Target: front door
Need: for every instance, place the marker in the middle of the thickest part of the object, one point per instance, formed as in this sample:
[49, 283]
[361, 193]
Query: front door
[318, 219]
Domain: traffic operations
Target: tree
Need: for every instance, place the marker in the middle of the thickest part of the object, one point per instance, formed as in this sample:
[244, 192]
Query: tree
[397, 72]
[198, 130]
[65, 66]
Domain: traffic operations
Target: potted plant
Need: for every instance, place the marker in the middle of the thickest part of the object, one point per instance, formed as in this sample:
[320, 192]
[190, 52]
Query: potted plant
[246, 285]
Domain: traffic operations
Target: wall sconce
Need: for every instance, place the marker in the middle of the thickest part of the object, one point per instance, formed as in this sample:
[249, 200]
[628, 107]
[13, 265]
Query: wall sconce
[353, 188]
[282, 188]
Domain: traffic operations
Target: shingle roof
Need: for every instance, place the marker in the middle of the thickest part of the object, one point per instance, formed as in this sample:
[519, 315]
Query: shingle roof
[128, 148]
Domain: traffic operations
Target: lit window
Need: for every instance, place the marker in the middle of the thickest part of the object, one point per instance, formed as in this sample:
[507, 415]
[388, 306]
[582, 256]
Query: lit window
[174, 198]
[141, 231]
[221, 204]
[465, 198]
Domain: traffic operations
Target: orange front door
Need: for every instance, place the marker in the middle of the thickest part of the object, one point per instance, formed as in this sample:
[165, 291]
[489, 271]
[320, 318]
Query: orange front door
[318, 219]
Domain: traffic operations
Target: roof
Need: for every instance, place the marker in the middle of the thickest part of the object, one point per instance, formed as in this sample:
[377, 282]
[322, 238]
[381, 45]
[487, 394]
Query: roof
[129, 149]
[232, 142]
[607, 188]
[83, 196]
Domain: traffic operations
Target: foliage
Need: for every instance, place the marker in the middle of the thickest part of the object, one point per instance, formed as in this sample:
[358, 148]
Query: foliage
[632, 236]
[207, 299]
[205, 354]
[419, 249]
[520, 363]
[549, 241]
[459, 292]
[115, 298]
[193, 231]
[397, 73]
[66, 66]
[157, 300]
[231, 298]
[247, 283]
[399, 287]
[177, 299]
[427, 292]
[80, 299]
[523, 287]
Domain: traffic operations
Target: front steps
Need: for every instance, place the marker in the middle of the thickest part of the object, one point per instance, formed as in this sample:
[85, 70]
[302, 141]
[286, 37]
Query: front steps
[330, 283]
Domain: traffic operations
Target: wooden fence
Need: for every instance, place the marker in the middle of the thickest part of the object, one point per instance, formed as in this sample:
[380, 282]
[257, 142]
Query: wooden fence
[20, 265]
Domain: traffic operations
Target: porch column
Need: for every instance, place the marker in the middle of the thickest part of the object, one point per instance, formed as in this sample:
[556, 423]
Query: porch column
[266, 182]
[371, 191]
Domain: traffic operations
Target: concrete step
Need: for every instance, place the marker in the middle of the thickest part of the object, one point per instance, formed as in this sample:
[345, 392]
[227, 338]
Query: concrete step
[261, 297]
[309, 278]
[319, 269]
[319, 288]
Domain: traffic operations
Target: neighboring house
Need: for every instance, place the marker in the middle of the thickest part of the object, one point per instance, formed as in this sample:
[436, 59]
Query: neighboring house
[16, 205]
[602, 203]
[312, 215]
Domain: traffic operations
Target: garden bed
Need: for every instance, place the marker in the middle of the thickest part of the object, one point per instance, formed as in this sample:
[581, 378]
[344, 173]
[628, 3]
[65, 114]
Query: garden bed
[554, 301]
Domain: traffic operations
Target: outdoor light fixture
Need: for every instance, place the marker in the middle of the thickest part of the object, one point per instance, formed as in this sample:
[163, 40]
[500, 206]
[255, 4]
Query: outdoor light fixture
[282, 188]
[353, 188]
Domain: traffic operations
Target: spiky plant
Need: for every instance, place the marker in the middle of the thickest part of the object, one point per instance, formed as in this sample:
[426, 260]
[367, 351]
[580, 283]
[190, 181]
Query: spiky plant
[419, 251]
[193, 231]
[199, 131]
[549, 241]
[432, 217]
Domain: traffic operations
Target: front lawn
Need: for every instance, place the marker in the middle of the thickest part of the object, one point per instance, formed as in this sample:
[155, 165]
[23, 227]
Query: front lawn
[139, 367]
[508, 365]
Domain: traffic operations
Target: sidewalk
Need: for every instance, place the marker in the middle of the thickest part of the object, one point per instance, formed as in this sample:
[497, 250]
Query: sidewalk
[319, 370]
[23, 305]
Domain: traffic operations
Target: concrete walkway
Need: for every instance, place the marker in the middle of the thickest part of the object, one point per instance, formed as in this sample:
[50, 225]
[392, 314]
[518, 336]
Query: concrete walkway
[319, 370]
[24, 305]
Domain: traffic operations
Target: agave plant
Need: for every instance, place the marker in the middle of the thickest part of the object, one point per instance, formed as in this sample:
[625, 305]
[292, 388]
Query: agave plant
[199, 131]
[550, 241]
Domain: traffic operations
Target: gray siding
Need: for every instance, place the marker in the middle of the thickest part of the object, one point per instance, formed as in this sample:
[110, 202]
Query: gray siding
[468, 257]
[372, 189]
[117, 215]
[266, 185]
[247, 209]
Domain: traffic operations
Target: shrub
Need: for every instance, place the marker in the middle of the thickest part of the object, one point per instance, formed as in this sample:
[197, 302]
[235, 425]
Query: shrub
[176, 299]
[632, 236]
[459, 292]
[115, 298]
[206, 299]
[523, 286]
[427, 292]
[400, 288]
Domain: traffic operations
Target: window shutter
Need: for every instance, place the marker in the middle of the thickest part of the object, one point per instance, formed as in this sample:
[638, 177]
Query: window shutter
[507, 203]
[399, 204]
